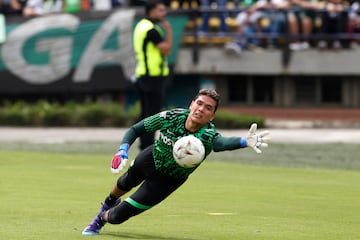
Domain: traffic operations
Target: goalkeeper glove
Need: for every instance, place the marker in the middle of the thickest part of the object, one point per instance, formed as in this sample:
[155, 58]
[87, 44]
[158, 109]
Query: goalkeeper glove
[120, 158]
[255, 141]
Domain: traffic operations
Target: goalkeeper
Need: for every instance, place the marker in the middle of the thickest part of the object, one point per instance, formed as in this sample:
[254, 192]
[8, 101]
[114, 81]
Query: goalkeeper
[155, 168]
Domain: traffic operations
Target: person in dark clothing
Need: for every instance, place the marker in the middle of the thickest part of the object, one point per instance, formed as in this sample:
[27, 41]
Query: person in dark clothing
[152, 40]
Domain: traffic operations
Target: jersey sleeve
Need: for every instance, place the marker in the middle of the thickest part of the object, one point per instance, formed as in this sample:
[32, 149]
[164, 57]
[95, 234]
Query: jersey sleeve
[221, 143]
[147, 125]
[154, 36]
[134, 132]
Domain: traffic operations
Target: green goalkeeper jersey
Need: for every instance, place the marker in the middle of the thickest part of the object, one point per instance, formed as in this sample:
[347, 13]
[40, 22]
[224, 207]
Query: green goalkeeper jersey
[171, 126]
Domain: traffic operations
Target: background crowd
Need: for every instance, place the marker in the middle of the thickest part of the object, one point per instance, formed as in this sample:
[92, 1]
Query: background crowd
[307, 22]
[262, 23]
[259, 23]
[31, 8]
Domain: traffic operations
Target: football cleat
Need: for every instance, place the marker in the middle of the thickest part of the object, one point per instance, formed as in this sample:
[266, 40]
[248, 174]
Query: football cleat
[97, 223]
[94, 227]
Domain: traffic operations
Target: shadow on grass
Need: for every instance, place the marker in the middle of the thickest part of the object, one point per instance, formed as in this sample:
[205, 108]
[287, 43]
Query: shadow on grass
[125, 235]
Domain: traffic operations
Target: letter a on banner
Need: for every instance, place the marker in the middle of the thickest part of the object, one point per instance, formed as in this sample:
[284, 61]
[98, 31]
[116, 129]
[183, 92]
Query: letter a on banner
[122, 22]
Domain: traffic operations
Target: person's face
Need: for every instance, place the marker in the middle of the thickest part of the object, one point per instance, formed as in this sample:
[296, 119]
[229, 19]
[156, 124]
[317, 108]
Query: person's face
[158, 13]
[202, 109]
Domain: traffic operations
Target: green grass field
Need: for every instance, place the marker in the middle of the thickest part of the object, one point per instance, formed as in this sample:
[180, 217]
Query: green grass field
[52, 191]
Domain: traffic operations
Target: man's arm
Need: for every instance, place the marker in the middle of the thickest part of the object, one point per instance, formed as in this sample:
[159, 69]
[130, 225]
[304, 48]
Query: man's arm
[166, 45]
[134, 132]
[120, 158]
[221, 143]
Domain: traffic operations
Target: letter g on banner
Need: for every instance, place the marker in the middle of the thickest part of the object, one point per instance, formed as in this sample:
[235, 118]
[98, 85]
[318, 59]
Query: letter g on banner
[59, 49]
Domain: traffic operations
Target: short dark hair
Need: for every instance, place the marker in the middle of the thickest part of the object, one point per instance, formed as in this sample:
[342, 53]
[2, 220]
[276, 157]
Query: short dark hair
[210, 93]
[152, 4]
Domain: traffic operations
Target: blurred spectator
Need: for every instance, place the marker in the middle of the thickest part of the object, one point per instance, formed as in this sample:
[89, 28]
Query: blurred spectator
[276, 12]
[204, 28]
[302, 21]
[102, 5]
[85, 5]
[262, 17]
[12, 6]
[73, 6]
[248, 24]
[354, 21]
[334, 21]
[41, 7]
[116, 3]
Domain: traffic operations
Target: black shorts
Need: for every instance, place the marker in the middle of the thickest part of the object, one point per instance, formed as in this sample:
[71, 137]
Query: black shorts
[152, 84]
[155, 186]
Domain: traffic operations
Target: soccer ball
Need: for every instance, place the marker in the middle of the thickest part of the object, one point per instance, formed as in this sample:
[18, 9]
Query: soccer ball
[188, 151]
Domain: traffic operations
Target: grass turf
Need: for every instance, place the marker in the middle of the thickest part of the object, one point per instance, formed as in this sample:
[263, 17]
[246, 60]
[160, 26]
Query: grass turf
[52, 195]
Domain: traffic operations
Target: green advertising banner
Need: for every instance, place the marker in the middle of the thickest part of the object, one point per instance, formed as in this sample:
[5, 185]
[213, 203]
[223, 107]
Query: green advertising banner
[65, 52]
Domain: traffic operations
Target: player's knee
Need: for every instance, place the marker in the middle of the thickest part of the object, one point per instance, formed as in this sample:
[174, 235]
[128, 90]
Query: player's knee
[122, 212]
[123, 184]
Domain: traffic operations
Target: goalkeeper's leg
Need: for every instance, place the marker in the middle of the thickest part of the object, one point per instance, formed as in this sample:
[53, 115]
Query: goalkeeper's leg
[135, 175]
[154, 189]
[97, 223]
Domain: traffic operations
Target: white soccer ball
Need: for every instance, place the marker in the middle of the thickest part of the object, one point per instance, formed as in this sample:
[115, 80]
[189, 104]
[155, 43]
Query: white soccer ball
[188, 151]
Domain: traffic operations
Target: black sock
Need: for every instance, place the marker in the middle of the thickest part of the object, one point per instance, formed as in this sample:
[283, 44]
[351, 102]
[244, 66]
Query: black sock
[111, 200]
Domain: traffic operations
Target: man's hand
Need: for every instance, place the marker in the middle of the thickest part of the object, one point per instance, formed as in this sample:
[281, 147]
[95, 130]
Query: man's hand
[166, 25]
[257, 141]
[120, 159]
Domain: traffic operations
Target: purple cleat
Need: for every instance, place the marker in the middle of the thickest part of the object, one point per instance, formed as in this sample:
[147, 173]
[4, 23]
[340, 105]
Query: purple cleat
[94, 227]
[97, 223]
